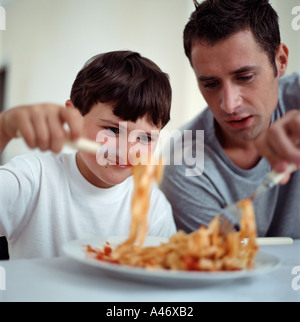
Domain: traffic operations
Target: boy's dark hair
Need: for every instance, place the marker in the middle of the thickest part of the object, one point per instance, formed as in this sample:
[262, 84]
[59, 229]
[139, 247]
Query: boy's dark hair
[215, 20]
[134, 85]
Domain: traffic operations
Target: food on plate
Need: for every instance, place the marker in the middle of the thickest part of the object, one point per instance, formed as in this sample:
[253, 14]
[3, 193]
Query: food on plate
[203, 250]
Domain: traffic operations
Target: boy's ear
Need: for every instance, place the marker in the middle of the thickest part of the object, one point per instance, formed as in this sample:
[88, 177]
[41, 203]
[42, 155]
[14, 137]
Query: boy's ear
[69, 104]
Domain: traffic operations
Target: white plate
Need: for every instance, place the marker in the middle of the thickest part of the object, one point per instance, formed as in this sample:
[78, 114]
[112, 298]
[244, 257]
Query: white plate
[264, 263]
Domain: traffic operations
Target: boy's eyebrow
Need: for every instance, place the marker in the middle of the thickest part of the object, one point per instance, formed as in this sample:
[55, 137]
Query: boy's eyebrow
[243, 69]
[112, 122]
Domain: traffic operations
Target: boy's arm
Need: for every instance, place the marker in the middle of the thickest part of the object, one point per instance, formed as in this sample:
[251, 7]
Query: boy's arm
[41, 126]
[4, 139]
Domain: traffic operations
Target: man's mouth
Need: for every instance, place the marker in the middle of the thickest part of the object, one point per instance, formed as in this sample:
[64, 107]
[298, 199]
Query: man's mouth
[239, 122]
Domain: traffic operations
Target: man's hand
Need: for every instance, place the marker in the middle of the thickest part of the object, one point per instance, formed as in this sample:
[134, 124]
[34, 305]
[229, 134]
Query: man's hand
[280, 143]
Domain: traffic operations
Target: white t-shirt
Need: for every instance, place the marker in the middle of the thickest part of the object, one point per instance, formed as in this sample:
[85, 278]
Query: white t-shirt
[46, 202]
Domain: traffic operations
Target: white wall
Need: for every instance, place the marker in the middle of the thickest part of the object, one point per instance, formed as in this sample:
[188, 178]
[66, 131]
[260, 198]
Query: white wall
[46, 42]
[289, 36]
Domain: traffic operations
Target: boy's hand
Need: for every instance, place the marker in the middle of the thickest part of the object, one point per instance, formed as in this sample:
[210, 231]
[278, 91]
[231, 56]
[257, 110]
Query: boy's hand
[280, 144]
[41, 125]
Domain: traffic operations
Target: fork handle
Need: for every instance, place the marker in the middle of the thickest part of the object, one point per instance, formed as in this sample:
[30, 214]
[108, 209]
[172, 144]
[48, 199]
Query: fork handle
[84, 145]
[80, 144]
[276, 177]
[272, 179]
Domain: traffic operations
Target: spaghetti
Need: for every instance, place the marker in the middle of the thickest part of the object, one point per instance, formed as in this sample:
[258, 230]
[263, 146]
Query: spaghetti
[203, 250]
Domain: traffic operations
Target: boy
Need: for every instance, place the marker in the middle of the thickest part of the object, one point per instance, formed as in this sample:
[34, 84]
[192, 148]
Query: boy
[48, 200]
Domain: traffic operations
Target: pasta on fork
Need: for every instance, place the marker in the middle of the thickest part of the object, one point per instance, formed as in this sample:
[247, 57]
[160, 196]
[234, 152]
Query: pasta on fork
[143, 176]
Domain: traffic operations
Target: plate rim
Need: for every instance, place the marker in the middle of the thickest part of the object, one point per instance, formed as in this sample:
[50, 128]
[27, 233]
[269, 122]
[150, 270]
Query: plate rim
[138, 272]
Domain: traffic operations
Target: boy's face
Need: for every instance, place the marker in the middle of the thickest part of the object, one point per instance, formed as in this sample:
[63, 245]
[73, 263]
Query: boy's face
[238, 82]
[124, 142]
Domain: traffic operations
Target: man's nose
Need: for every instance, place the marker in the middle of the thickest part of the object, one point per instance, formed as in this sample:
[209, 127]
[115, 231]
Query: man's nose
[230, 98]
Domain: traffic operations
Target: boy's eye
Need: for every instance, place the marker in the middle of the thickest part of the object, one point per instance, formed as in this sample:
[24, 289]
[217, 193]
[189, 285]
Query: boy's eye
[114, 130]
[144, 139]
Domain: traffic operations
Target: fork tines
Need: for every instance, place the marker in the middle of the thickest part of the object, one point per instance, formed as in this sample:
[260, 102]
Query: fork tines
[228, 222]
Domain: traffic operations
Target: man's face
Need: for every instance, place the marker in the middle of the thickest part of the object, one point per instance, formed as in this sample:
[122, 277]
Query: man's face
[238, 83]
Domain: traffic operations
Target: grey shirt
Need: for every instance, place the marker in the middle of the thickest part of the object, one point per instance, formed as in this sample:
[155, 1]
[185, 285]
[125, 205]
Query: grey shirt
[198, 198]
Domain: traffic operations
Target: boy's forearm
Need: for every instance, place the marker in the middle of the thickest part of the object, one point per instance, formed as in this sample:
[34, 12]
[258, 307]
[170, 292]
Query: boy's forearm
[4, 139]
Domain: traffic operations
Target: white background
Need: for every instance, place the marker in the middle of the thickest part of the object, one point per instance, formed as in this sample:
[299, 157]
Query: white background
[46, 42]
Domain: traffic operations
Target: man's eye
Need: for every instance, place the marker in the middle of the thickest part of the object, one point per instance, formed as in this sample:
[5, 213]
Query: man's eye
[210, 85]
[245, 78]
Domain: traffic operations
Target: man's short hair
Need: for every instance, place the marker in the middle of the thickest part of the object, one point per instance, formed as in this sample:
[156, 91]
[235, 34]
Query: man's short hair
[215, 20]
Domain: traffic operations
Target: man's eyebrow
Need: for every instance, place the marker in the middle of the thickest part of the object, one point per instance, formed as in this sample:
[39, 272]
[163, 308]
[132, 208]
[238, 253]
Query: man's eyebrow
[245, 69]
[206, 78]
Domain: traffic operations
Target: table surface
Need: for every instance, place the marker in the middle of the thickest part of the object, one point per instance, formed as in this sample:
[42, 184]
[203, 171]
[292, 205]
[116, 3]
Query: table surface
[64, 279]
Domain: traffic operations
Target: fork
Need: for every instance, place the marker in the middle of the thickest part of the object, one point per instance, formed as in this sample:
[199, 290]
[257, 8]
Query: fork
[230, 217]
[80, 144]
[85, 145]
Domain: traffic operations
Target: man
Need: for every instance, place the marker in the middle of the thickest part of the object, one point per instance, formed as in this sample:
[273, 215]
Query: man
[235, 51]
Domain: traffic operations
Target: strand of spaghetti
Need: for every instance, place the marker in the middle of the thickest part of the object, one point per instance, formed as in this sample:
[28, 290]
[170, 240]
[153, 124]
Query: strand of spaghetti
[143, 176]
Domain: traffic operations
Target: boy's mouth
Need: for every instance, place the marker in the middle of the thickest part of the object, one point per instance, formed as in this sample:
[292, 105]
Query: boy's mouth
[121, 166]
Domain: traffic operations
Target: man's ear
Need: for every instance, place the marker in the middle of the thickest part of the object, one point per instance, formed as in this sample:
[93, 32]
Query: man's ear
[282, 55]
[69, 104]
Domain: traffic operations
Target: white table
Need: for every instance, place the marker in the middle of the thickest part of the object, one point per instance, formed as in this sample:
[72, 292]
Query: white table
[63, 279]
